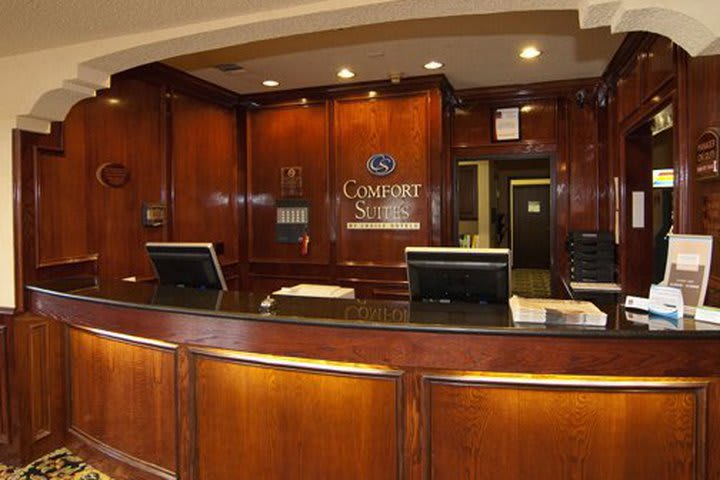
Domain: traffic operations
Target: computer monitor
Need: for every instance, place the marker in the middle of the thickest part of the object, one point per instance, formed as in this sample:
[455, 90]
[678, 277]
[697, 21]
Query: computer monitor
[192, 265]
[471, 275]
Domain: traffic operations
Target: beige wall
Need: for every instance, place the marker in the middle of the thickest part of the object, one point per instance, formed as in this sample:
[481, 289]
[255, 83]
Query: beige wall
[39, 87]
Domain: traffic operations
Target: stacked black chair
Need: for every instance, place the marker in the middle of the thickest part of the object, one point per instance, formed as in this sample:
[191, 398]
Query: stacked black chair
[592, 256]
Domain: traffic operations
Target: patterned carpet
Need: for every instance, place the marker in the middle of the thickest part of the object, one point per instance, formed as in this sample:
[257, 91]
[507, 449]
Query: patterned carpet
[60, 464]
[531, 283]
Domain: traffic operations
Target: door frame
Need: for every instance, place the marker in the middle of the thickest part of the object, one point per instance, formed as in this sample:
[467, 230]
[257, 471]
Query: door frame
[628, 140]
[552, 160]
[525, 182]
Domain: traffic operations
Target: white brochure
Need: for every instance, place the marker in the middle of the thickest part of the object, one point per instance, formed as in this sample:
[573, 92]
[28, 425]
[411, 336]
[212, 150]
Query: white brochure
[666, 301]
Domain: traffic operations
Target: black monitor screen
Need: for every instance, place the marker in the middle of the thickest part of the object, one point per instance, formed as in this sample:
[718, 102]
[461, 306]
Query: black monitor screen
[186, 264]
[458, 274]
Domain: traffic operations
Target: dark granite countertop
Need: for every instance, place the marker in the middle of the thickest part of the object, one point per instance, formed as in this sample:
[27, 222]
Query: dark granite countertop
[377, 314]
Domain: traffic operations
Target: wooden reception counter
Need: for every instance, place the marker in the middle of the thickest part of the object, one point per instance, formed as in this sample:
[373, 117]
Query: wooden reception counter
[194, 384]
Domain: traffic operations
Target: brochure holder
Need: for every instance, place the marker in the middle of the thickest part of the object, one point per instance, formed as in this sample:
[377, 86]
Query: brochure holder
[688, 266]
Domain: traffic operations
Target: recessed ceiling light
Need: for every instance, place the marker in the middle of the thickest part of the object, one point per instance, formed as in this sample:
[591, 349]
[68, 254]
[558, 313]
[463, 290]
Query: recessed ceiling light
[530, 52]
[433, 65]
[346, 73]
[271, 83]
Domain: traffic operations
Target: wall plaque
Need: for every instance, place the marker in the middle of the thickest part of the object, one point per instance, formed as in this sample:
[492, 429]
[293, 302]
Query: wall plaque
[506, 124]
[291, 183]
[706, 166]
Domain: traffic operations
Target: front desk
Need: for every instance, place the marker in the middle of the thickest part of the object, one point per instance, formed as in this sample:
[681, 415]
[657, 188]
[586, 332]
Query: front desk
[200, 385]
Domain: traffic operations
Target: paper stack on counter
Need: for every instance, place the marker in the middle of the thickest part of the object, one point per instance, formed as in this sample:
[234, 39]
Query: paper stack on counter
[547, 310]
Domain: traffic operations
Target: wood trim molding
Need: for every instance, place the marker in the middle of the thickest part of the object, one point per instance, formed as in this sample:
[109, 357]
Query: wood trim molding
[90, 257]
[358, 90]
[128, 339]
[161, 74]
[514, 148]
[626, 54]
[296, 363]
[39, 377]
[520, 92]
[18, 239]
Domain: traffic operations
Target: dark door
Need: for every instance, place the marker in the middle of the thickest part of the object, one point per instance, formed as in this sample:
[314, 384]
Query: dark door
[531, 226]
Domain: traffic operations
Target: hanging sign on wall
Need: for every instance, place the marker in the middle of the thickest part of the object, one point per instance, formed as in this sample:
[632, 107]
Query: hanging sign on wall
[381, 206]
[706, 166]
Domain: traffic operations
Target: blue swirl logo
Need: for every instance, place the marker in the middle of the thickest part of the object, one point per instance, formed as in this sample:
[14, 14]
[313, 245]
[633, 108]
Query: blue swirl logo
[381, 164]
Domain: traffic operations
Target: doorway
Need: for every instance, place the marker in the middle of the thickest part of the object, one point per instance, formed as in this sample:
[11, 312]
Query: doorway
[649, 180]
[487, 191]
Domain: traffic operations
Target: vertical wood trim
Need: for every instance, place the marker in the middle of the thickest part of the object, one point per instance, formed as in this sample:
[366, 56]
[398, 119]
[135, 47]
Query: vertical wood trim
[433, 195]
[19, 229]
[241, 122]
[562, 172]
[167, 189]
[39, 376]
[333, 194]
[186, 414]
[4, 387]
[413, 450]
[683, 201]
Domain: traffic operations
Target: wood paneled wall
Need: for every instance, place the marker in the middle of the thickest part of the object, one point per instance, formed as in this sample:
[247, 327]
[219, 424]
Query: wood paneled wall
[288, 136]
[552, 126]
[205, 188]
[177, 139]
[330, 135]
[186, 144]
[647, 73]
[703, 110]
[122, 125]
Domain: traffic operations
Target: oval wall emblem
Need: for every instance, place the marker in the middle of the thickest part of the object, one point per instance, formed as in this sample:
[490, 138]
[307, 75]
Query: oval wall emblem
[381, 164]
[113, 175]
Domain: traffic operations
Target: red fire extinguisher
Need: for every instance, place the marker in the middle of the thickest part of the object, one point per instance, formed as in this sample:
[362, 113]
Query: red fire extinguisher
[304, 244]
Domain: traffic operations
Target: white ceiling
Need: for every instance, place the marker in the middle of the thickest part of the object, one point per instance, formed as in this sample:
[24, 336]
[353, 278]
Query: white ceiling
[478, 51]
[29, 25]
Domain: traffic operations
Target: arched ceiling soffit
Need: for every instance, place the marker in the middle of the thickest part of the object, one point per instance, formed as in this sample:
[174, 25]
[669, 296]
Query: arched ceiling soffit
[694, 25]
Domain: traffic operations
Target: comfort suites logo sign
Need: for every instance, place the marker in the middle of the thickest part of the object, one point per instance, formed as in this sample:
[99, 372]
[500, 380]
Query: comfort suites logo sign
[381, 206]
[381, 164]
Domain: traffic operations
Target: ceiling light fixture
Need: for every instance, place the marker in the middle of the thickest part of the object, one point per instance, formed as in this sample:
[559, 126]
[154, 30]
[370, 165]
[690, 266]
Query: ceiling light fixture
[530, 52]
[433, 65]
[271, 83]
[346, 73]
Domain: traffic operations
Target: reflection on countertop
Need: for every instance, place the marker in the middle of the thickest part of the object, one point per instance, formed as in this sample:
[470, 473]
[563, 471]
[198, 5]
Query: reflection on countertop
[380, 314]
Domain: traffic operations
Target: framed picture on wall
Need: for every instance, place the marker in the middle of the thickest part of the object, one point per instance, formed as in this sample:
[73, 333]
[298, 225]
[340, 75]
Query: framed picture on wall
[506, 124]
